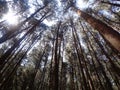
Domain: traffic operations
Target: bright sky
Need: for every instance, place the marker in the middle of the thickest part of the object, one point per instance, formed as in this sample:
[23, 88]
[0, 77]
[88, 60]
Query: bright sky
[49, 23]
[59, 3]
[106, 13]
[10, 17]
[82, 4]
[14, 20]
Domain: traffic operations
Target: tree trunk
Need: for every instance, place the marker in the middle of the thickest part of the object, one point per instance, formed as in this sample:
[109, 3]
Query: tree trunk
[111, 35]
[56, 60]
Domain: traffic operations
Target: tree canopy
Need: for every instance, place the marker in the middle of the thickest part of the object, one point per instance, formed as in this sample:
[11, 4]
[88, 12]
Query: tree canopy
[60, 45]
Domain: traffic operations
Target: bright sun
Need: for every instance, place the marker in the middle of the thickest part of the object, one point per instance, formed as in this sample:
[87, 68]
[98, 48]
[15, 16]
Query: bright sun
[11, 18]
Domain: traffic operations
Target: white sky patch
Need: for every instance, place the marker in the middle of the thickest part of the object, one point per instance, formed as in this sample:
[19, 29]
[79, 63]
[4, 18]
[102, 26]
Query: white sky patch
[64, 57]
[80, 35]
[9, 0]
[10, 17]
[59, 3]
[32, 6]
[91, 1]
[49, 23]
[81, 4]
[32, 9]
[22, 34]
[82, 43]
[106, 13]
[114, 1]
[116, 9]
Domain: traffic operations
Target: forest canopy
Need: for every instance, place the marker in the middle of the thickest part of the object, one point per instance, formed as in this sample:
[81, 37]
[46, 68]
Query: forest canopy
[59, 45]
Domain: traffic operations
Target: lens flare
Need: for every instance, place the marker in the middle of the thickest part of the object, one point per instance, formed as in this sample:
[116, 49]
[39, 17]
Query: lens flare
[11, 18]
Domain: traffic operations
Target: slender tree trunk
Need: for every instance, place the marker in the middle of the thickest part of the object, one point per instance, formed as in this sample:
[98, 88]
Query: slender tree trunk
[83, 58]
[102, 69]
[56, 60]
[80, 61]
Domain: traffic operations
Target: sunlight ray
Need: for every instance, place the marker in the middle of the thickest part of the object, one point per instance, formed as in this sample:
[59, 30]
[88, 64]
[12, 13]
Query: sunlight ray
[10, 17]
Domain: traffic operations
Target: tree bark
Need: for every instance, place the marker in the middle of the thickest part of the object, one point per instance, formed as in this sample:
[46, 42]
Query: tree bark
[111, 35]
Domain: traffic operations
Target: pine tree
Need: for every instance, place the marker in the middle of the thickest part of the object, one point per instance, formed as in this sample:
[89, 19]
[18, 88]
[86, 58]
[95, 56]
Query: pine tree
[59, 45]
